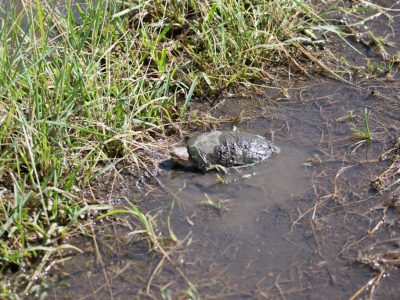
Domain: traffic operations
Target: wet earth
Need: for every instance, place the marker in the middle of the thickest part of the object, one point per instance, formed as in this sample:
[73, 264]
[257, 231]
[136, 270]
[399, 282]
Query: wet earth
[305, 224]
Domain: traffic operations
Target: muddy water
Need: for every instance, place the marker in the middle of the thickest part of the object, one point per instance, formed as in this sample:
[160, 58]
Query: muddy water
[290, 228]
[251, 188]
[304, 225]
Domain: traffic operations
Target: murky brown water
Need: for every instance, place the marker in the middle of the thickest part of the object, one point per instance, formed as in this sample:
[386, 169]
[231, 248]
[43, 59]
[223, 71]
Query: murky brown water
[284, 229]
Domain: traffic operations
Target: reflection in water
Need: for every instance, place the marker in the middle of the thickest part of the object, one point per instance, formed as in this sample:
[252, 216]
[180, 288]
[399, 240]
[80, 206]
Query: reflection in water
[247, 190]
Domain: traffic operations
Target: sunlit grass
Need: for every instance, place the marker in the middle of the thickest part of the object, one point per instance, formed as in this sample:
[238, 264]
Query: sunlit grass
[363, 134]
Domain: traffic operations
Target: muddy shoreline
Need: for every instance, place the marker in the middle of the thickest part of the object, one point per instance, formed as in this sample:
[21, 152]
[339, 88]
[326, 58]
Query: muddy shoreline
[301, 231]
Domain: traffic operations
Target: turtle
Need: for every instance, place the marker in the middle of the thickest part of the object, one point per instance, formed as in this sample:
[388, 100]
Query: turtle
[219, 148]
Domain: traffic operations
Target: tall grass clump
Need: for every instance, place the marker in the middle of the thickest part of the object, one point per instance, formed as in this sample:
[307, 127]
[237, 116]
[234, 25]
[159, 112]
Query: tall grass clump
[84, 86]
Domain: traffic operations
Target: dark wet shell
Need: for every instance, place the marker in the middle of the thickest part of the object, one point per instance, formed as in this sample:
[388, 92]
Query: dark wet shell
[229, 149]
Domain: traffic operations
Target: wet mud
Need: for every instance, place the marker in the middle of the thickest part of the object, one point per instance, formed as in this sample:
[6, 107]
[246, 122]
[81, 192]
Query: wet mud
[306, 224]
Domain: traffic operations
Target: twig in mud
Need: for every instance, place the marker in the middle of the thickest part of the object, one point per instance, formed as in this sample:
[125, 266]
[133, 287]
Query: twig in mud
[328, 128]
[336, 193]
[385, 155]
[302, 215]
[43, 264]
[297, 245]
[154, 273]
[313, 223]
[278, 287]
[325, 198]
[38, 271]
[99, 259]
[323, 67]
[372, 283]
[382, 182]
[381, 9]
[377, 226]
[165, 255]
[121, 271]
[316, 201]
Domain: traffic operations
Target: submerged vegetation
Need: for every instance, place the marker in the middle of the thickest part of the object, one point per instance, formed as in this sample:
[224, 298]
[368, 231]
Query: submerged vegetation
[83, 88]
[362, 135]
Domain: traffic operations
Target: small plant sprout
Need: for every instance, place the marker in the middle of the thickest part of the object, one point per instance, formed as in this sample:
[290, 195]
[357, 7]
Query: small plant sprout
[363, 135]
[219, 168]
[380, 43]
[350, 116]
[218, 205]
[220, 178]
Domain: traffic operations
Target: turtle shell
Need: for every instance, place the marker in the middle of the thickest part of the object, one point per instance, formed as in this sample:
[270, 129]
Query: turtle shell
[228, 149]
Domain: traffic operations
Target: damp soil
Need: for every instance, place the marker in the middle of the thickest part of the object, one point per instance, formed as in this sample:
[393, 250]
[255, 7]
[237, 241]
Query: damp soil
[306, 224]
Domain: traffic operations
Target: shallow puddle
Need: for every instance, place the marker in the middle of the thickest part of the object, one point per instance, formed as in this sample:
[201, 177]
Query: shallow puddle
[281, 178]
[292, 227]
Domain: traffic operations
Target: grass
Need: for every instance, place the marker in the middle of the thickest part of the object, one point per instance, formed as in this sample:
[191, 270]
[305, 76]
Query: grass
[363, 134]
[219, 205]
[81, 91]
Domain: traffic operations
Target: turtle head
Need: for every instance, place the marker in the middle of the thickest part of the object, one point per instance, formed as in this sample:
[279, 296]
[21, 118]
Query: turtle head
[180, 156]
